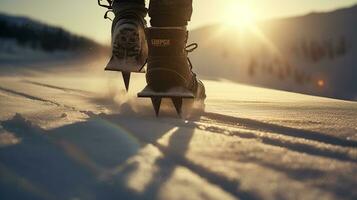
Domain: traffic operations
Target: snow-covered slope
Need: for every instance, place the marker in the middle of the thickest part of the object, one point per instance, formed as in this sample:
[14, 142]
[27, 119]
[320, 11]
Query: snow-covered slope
[312, 54]
[27, 40]
[76, 135]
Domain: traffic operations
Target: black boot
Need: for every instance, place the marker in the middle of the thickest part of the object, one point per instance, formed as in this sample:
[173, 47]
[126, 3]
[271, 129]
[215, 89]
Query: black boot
[129, 47]
[168, 65]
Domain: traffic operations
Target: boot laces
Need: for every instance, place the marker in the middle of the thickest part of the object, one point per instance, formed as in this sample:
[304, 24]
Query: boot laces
[109, 6]
[190, 48]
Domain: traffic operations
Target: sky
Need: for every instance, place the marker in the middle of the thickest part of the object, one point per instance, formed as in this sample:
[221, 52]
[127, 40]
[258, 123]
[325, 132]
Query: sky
[84, 17]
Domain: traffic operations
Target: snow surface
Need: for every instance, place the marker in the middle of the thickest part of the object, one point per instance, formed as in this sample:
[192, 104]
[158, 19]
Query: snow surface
[73, 133]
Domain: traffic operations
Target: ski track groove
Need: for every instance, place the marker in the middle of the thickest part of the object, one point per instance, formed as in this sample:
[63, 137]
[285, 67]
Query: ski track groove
[295, 146]
[64, 89]
[24, 95]
[34, 98]
[281, 130]
[291, 145]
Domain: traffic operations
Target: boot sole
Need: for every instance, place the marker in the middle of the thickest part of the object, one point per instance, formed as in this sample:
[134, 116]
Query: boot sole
[129, 50]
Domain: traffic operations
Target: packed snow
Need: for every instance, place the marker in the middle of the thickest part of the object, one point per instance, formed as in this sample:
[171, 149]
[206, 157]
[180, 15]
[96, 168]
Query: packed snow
[72, 132]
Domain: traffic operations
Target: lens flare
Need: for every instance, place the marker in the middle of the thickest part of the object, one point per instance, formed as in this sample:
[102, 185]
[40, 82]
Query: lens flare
[321, 83]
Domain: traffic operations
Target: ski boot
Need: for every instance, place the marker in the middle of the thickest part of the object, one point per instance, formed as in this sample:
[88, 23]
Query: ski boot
[129, 47]
[169, 71]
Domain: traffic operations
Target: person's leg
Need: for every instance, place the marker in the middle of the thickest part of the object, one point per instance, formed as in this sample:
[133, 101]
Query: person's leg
[168, 66]
[168, 13]
[122, 7]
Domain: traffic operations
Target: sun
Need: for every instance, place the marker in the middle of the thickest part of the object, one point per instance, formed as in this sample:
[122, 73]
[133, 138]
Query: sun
[238, 15]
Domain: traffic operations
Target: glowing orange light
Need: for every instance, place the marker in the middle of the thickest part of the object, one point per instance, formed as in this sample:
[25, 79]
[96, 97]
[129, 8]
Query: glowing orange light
[321, 83]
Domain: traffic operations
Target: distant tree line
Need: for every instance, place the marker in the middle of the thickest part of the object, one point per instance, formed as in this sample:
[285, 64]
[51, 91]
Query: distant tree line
[309, 50]
[280, 69]
[316, 51]
[44, 37]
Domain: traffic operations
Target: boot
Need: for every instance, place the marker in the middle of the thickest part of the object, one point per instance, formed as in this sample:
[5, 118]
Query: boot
[168, 65]
[129, 47]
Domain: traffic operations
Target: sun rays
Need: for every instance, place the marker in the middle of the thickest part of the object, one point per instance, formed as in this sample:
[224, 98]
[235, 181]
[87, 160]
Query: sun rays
[238, 15]
[241, 22]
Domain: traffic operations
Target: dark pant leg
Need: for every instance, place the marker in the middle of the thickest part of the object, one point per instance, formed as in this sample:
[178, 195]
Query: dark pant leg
[137, 6]
[126, 2]
[168, 13]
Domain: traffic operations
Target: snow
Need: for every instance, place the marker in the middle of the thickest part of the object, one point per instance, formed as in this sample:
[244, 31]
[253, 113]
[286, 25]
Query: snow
[73, 133]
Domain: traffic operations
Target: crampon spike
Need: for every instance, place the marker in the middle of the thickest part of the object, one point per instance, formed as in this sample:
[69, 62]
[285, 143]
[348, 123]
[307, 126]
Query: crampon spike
[126, 78]
[156, 102]
[177, 101]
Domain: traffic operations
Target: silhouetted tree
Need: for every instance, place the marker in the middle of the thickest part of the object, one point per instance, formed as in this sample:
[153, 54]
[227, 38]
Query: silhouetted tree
[341, 46]
[252, 67]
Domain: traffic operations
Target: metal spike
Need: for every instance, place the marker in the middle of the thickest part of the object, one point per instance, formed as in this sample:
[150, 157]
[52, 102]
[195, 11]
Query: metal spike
[178, 105]
[156, 102]
[126, 78]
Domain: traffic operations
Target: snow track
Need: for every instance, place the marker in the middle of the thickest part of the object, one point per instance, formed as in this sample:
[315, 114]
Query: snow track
[27, 96]
[75, 145]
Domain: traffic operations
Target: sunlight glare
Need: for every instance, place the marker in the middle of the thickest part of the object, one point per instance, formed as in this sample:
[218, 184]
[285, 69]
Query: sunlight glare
[239, 15]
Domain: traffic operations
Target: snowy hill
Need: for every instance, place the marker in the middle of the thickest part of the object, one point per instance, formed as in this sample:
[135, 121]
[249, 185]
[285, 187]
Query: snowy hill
[77, 135]
[312, 54]
[22, 38]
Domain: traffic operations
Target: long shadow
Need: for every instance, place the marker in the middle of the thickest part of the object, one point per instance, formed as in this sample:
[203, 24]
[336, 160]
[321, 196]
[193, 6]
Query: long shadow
[282, 130]
[37, 167]
[179, 141]
[66, 162]
[173, 156]
[232, 187]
